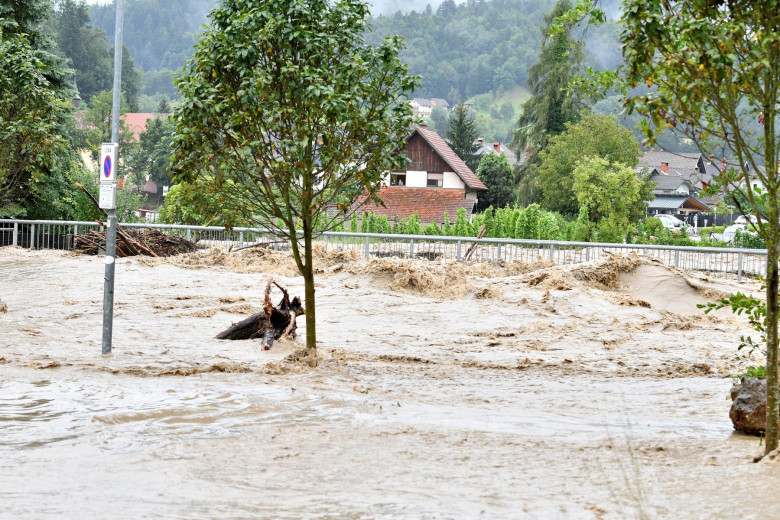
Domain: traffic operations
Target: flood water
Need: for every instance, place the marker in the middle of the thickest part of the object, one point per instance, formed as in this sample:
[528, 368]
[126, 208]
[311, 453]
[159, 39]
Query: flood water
[532, 404]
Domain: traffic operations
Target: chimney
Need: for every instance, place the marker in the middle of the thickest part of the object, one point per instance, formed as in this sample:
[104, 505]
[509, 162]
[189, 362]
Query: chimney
[660, 149]
[497, 147]
[709, 158]
[722, 163]
[480, 140]
[423, 126]
[665, 167]
[652, 149]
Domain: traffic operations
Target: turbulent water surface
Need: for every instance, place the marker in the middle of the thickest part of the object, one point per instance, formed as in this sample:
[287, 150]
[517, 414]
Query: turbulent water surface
[517, 398]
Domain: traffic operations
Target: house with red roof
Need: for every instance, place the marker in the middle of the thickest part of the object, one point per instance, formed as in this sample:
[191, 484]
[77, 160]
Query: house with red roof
[434, 181]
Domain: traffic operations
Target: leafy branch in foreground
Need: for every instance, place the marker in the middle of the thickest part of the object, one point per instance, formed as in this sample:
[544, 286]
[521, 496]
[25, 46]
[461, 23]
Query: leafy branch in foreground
[709, 71]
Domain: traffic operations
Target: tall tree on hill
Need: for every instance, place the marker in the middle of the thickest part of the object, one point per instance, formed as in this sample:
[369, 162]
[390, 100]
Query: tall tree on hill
[462, 135]
[552, 104]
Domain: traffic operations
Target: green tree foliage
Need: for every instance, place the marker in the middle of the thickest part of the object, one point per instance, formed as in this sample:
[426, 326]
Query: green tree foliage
[87, 49]
[715, 67]
[291, 113]
[496, 173]
[85, 46]
[96, 126]
[552, 104]
[152, 157]
[594, 136]
[29, 111]
[611, 192]
[462, 135]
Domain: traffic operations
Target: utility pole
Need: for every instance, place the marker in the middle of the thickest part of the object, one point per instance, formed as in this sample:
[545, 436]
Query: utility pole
[109, 164]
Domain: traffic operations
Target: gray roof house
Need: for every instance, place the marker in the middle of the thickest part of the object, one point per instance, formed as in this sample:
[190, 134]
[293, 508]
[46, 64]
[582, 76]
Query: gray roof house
[496, 148]
[673, 194]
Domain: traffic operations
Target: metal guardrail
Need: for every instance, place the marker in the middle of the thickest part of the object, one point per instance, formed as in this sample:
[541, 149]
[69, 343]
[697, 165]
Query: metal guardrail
[55, 234]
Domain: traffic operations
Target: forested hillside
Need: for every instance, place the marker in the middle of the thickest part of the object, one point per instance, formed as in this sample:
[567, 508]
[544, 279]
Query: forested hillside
[159, 33]
[480, 46]
[476, 47]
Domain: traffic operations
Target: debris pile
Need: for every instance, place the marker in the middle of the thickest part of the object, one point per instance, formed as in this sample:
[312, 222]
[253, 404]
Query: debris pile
[149, 242]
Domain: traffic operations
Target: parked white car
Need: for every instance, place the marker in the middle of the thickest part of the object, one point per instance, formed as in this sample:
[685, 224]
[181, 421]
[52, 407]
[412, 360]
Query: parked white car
[730, 232]
[744, 219]
[670, 221]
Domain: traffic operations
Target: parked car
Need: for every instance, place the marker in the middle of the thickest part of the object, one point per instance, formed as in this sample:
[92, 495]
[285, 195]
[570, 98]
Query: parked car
[670, 221]
[730, 232]
[744, 219]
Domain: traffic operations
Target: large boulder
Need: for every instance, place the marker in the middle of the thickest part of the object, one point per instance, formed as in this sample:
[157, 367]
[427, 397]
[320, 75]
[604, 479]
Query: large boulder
[3, 307]
[748, 407]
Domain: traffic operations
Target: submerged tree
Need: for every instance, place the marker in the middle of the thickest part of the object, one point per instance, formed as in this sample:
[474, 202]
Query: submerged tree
[714, 67]
[290, 113]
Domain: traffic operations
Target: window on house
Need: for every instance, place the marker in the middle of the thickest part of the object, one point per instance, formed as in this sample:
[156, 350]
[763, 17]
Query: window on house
[398, 179]
[435, 179]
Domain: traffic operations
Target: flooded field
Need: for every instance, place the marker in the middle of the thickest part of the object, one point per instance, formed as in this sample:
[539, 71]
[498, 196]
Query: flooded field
[442, 391]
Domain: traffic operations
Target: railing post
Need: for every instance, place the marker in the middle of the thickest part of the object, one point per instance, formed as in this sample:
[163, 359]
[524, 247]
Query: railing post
[411, 248]
[240, 239]
[644, 251]
[75, 230]
[739, 267]
[677, 258]
[16, 233]
[457, 252]
[325, 237]
[368, 247]
[498, 252]
[587, 254]
[552, 249]
[32, 236]
[189, 235]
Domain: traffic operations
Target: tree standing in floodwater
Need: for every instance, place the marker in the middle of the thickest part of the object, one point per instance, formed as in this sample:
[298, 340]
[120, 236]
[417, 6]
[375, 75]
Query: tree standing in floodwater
[286, 112]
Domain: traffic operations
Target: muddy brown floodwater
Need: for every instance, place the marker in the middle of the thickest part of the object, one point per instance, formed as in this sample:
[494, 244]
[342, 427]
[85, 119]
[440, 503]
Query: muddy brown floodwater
[442, 391]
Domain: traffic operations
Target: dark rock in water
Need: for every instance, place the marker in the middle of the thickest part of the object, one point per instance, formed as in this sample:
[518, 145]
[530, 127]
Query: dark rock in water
[748, 407]
[3, 307]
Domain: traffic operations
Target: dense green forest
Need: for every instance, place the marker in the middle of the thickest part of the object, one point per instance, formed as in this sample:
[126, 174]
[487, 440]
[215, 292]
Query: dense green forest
[477, 51]
[160, 35]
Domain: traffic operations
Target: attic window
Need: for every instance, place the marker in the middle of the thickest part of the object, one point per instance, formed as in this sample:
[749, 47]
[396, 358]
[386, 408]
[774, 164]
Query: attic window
[398, 179]
[435, 179]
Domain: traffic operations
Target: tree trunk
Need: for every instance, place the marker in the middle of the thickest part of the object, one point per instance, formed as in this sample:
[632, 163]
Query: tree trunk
[771, 344]
[308, 279]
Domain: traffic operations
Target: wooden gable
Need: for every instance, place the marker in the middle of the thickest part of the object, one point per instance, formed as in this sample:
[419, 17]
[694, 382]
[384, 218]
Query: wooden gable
[422, 156]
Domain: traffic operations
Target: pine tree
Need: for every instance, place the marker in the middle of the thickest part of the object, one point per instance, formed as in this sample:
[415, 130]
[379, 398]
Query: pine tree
[552, 104]
[462, 135]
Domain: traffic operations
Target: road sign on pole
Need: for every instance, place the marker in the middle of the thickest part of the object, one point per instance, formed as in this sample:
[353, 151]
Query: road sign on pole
[108, 162]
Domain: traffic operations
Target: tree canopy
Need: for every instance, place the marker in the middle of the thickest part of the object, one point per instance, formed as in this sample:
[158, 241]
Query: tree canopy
[462, 135]
[290, 113]
[594, 136]
[496, 173]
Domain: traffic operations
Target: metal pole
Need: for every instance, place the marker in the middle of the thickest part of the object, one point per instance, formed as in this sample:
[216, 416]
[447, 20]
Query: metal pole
[108, 286]
[16, 233]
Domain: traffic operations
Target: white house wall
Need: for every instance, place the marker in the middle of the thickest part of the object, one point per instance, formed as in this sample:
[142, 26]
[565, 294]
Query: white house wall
[416, 179]
[452, 181]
